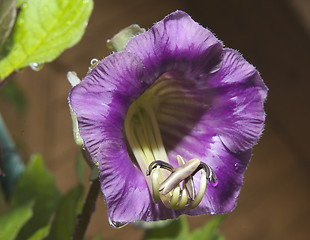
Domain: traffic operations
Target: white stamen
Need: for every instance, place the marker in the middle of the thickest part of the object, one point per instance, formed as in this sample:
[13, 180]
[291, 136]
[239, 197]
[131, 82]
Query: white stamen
[175, 197]
[73, 78]
[155, 184]
[201, 191]
[184, 199]
[190, 188]
[180, 174]
[180, 160]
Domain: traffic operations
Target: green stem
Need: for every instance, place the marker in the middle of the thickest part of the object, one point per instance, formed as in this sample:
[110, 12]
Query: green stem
[88, 209]
[11, 164]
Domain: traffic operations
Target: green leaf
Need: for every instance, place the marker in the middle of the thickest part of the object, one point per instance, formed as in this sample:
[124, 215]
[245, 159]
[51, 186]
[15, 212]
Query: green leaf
[41, 233]
[210, 231]
[66, 215]
[7, 18]
[36, 183]
[10, 161]
[178, 230]
[43, 29]
[175, 229]
[20, 2]
[12, 221]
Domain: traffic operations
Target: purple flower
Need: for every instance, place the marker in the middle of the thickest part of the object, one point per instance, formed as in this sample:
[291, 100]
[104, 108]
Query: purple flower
[171, 112]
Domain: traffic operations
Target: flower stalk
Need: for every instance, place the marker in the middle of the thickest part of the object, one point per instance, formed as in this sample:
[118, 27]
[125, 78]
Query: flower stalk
[88, 209]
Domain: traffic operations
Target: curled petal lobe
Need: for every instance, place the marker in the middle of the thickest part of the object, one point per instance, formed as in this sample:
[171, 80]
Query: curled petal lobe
[177, 44]
[237, 113]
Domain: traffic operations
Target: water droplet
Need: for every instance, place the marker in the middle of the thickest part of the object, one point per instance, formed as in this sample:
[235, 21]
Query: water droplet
[236, 167]
[93, 63]
[24, 6]
[36, 66]
[117, 225]
[20, 21]
[212, 213]
[215, 184]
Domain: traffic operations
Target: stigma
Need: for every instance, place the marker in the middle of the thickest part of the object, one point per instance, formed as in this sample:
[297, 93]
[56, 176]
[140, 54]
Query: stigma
[185, 196]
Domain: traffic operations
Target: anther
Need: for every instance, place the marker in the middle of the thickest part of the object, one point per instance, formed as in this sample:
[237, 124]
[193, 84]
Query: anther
[210, 175]
[160, 163]
[189, 183]
[184, 196]
[179, 174]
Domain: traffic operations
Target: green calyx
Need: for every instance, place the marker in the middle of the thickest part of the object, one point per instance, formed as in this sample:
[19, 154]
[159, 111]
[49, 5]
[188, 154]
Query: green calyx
[119, 41]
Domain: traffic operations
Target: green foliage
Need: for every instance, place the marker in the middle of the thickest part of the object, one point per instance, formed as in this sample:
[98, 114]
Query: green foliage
[11, 163]
[50, 215]
[43, 30]
[66, 215]
[37, 184]
[13, 220]
[210, 231]
[174, 229]
[7, 18]
[41, 233]
[178, 230]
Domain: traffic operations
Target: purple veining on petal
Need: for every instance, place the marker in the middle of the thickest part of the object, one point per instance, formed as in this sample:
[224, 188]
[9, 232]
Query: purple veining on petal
[210, 108]
[177, 44]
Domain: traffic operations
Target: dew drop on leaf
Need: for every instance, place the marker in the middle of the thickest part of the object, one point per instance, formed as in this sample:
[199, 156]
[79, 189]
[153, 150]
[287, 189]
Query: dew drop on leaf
[36, 66]
[24, 6]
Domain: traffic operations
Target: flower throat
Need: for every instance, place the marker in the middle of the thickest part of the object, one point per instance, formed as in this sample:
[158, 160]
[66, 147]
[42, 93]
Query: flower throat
[174, 187]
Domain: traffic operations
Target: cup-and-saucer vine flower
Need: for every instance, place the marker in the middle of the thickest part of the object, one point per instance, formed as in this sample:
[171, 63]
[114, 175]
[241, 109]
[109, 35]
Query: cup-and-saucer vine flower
[171, 121]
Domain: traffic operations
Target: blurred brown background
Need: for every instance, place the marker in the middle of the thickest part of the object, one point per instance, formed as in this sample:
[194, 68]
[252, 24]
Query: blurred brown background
[271, 34]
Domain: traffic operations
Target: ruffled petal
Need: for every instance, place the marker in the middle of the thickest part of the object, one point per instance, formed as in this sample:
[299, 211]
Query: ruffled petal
[103, 97]
[230, 105]
[122, 184]
[237, 112]
[101, 102]
[126, 192]
[179, 45]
